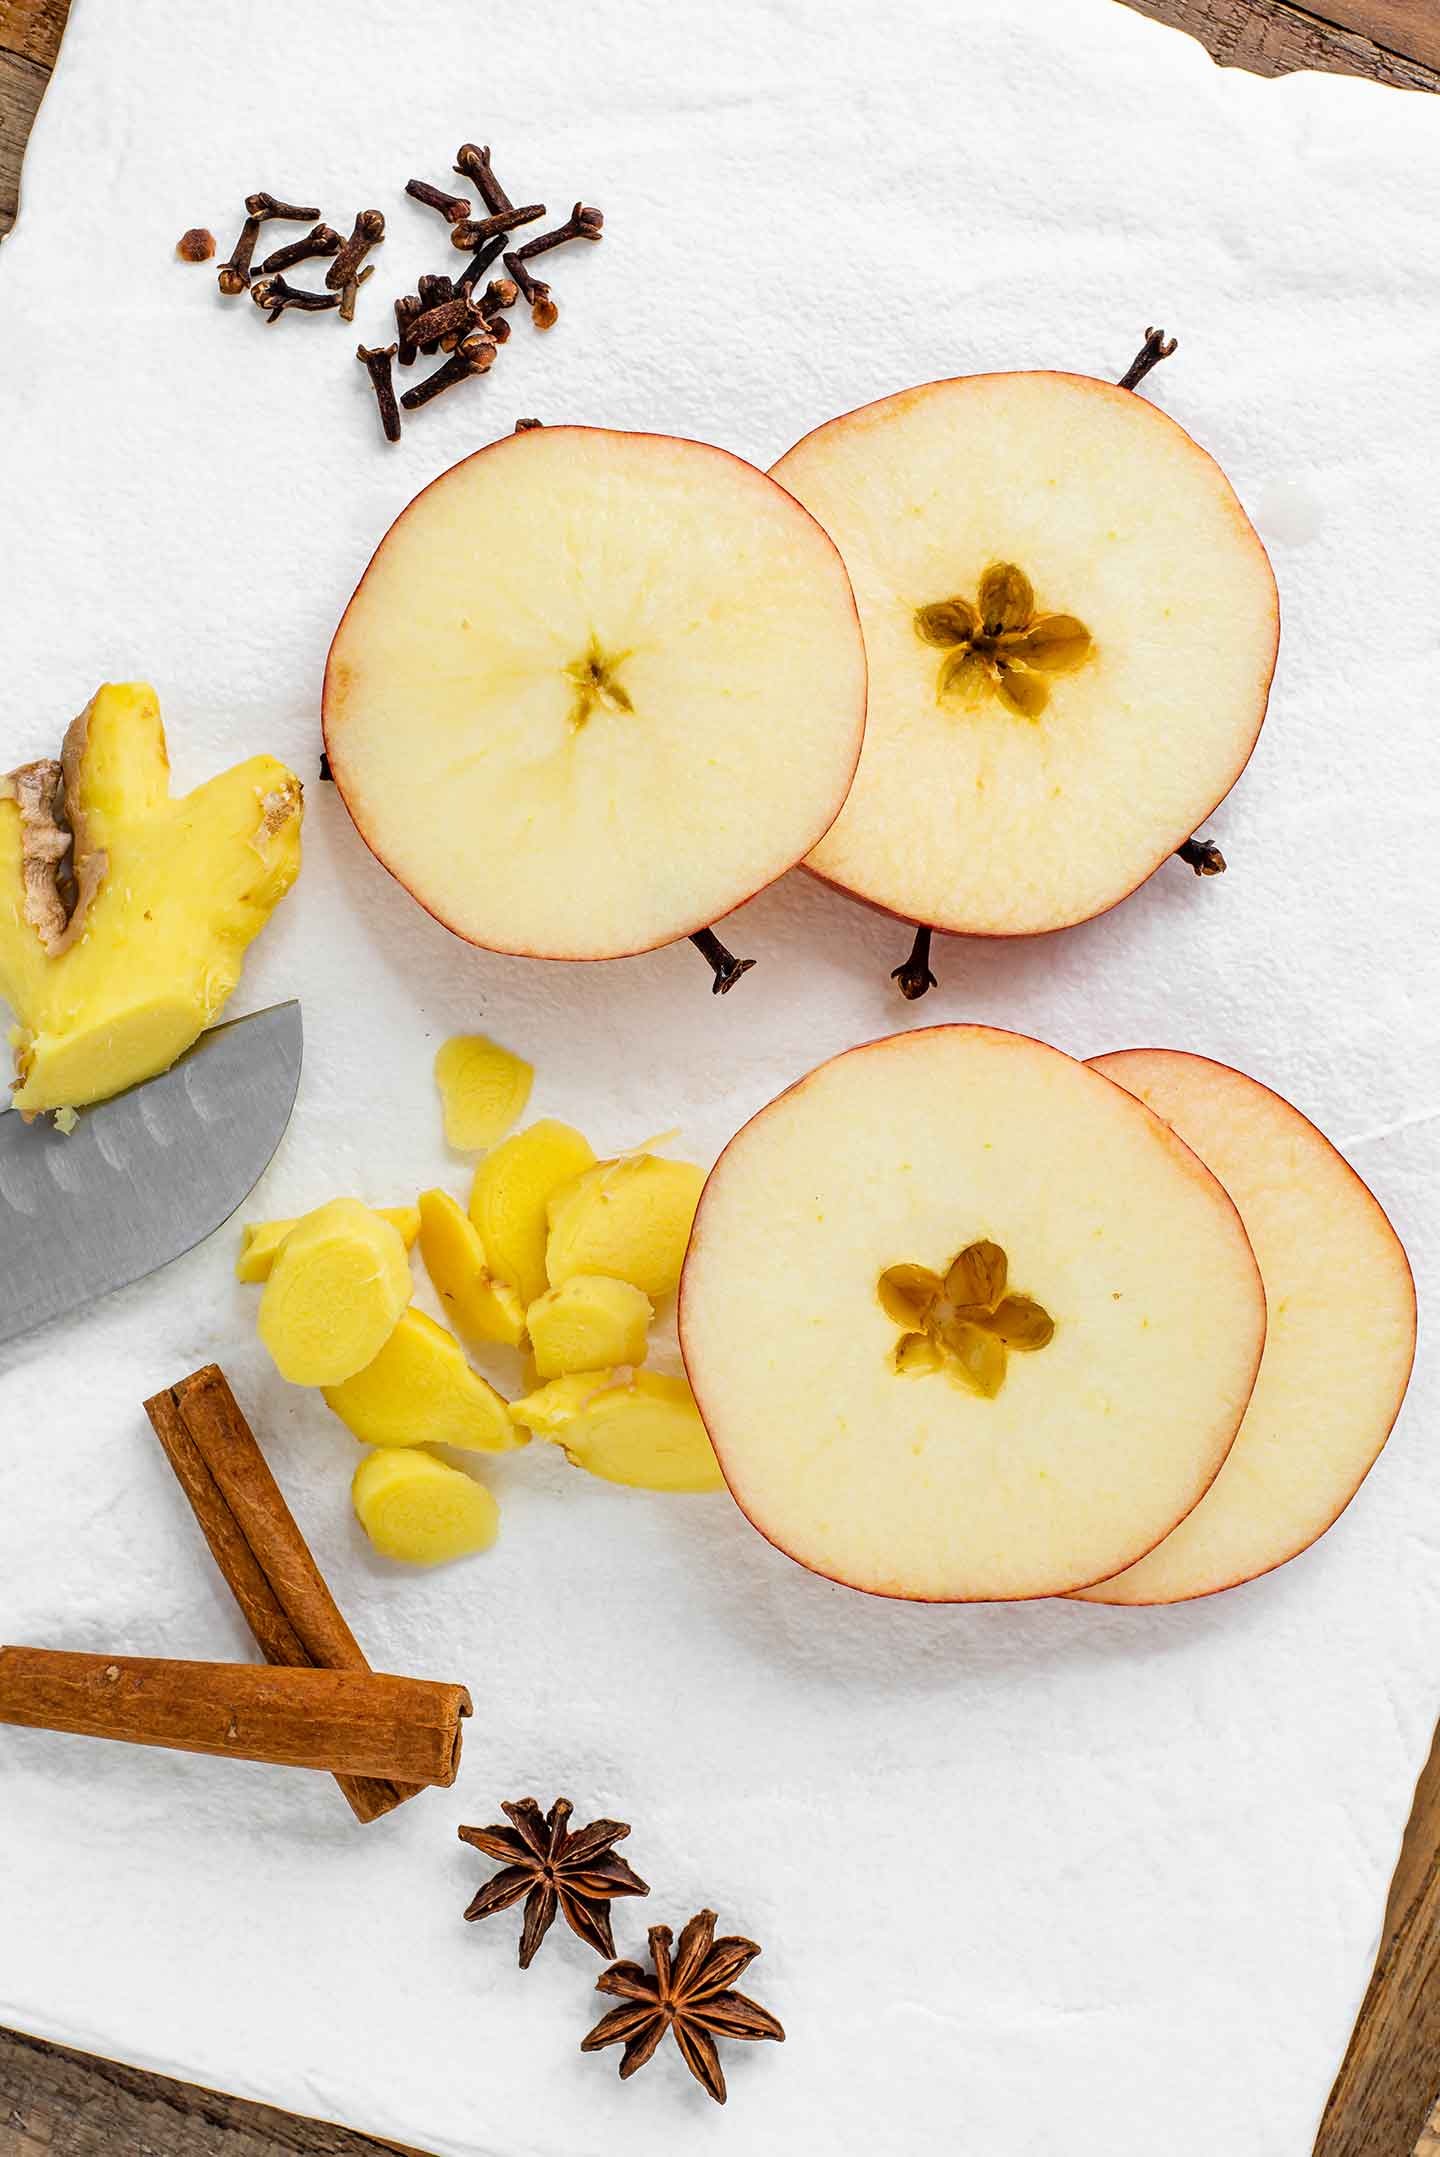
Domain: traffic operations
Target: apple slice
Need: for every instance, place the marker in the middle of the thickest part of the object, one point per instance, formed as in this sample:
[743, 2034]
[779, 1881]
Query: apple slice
[964, 1319]
[594, 690]
[1071, 628]
[1341, 1340]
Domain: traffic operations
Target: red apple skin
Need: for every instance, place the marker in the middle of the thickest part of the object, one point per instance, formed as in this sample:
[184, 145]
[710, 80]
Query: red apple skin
[1222, 1587]
[881, 1594]
[1179, 837]
[332, 692]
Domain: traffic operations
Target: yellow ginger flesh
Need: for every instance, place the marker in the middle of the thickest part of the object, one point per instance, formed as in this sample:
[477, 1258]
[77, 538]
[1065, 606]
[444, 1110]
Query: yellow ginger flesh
[420, 1390]
[335, 1294]
[586, 1323]
[646, 1433]
[261, 1240]
[419, 1509]
[508, 1200]
[630, 1219]
[483, 1308]
[483, 1090]
[125, 915]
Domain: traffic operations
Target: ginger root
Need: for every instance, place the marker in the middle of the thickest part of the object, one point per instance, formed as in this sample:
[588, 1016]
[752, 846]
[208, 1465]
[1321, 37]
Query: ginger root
[419, 1509]
[483, 1090]
[509, 1196]
[630, 1219]
[647, 1433]
[335, 1294]
[262, 1239]
[420, 1390]
[483, 1308]
[124, 914]
[586, 1323]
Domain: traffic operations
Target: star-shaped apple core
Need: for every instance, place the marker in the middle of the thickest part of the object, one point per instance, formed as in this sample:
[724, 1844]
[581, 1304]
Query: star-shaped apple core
[594, 675]
[962, 1322]
[1000, 646]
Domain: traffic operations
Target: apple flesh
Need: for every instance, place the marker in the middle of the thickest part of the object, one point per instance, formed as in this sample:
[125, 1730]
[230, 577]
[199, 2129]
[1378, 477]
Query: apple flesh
[1341, 1339]
[1030, 759]
[1098, 1335]
[595, 690]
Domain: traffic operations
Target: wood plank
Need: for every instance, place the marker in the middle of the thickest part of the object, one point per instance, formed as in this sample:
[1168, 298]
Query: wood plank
[32, 29]
[22, 85]
[1270, 37]
[55, 2103]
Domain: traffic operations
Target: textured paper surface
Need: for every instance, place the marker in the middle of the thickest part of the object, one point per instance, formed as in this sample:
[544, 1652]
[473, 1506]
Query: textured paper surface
[1021, 1874]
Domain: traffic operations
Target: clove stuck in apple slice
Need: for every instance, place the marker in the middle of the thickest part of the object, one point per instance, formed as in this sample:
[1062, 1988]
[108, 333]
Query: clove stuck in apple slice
[1071, 627]
[594, 691]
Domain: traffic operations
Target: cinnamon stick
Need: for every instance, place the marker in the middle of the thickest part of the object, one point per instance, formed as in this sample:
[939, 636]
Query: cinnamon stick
[349, 1722]
[254, 1540]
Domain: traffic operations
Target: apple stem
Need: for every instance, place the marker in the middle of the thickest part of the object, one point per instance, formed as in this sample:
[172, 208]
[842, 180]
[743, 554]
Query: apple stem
[726, 968]
[1203, 856]
[1157, 347]
[915, 976]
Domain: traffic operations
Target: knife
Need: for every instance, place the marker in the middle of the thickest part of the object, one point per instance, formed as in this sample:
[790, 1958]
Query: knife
[145, 1176]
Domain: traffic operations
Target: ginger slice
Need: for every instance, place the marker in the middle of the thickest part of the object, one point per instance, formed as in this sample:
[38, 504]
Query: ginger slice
[485, 1309]
[261, 1240]
[335, 1293]
[420, 1390]
[483, 1090]
[508, 1200]
[647, 1433]
[115, 961]
[421, 1510]
[630, 1219]
[586, 1323]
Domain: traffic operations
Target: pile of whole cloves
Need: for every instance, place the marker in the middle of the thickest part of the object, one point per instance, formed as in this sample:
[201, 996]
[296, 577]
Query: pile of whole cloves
[463, 317]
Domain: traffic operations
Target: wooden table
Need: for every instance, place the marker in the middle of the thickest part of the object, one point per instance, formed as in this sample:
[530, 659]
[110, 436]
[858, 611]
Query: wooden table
[61, 2104]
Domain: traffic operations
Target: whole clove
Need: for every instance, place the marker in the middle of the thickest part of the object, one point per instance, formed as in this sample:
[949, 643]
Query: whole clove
[278, 296]
[915, 977]
[263, 206]
[723, 964]
[455, 316]
[477, 230]
[544, 313]
[408, 309]
[527, 426]
[369, 231]
[196, 245]
[472, 162]
[451, 207]
[1157, 347]
[435, 291]
[234, 276]
[581, 224]
[347, 297]
[1203, 856]
[322, 240]
[377, 362]
[474, 355]
[475, 269]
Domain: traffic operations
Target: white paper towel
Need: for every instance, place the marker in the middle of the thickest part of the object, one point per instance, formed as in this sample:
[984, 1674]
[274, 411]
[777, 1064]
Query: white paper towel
[1022, 1875]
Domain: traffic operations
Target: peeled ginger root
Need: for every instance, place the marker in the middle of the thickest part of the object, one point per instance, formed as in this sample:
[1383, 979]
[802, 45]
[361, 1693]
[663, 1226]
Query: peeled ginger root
[588, 1322]
[630, 1219]
[646, 1433]
[262, 1239]
[483, 1308]
[420, 1390]
[483, 1090]
[125, 915]
[335, 1293]
[418, 1509]
[509, 1196]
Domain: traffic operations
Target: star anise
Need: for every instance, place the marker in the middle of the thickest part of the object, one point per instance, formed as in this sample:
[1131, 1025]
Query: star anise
[690, 1997]
[554, 1869]
[1002, 645]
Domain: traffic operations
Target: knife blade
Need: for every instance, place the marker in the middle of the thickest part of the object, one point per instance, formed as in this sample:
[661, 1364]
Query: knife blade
[144, 1177]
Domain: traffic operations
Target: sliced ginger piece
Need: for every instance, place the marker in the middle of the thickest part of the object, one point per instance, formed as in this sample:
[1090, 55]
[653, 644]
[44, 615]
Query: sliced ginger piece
[420, 1509]
[261, 1240]
[483, 1308]
[509, 1196]
[586, 1323]
[483, 1090]
[124, 914]
[335, 1293]
[646, 1433]
[420, 1390]
[630, 1219]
